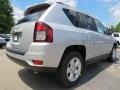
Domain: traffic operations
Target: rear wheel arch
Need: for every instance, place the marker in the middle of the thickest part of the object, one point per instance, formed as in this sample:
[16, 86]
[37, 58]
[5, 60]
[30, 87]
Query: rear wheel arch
[79, 48]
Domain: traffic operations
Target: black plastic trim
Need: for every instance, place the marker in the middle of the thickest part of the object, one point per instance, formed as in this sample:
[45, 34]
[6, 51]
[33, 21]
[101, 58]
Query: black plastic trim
[15, 51]
[97, 58]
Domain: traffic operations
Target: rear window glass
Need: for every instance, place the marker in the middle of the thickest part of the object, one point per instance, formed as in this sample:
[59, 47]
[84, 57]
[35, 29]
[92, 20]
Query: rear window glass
[116, 35]
[31, 17]
[34, 13]
[4, 36]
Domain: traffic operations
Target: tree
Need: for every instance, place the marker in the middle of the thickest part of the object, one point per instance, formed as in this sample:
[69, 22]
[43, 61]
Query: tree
[115, 28]
[112, 28]
[6, 17]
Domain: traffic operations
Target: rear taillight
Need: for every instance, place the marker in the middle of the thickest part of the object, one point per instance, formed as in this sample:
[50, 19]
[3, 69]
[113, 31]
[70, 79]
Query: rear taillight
[43, 33]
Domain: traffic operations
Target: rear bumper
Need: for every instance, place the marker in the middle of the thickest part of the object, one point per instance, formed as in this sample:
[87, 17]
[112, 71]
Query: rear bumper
[49, 54]
[35, 68]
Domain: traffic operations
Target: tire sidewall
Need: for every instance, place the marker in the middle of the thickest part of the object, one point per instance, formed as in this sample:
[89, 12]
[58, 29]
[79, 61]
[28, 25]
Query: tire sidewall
[111, 57]
[67, 59]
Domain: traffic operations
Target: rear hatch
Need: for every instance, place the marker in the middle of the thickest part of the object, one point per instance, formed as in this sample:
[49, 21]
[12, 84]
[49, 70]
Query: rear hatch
[22, 32]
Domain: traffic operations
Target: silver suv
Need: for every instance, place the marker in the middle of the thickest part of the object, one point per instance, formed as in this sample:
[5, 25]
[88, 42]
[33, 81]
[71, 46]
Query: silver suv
[60, 39]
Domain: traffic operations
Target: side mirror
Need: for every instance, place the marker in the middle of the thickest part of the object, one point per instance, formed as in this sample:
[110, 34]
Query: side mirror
[108, 31]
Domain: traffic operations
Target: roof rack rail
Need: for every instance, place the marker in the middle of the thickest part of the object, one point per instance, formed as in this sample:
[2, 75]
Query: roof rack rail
[63, 3]
[60, 2]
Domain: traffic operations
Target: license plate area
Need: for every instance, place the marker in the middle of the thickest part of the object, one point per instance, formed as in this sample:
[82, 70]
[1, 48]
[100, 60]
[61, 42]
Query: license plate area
[16, 37]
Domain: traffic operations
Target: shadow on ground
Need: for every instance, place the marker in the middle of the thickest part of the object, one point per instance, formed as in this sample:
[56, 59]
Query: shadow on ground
[47, 81]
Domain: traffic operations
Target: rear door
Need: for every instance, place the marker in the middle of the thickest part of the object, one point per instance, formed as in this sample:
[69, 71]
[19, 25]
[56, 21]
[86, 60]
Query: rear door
[87, 23]
[87, 30]
[22, 33]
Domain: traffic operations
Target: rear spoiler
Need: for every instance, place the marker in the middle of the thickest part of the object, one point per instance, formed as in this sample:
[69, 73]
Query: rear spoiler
[39, 7]
[36, 8]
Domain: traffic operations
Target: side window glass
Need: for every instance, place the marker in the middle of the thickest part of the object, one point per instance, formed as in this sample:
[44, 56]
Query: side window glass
[100, 27]
[73, 16]
[80, 20]
[86, 22]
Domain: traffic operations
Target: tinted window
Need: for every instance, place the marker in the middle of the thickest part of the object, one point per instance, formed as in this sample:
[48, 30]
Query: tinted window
[4, 36]
[73, 16]
[31, 17]
[100, 27]
[34, 13]
[80, 20]
[86, 22]
[116, 35]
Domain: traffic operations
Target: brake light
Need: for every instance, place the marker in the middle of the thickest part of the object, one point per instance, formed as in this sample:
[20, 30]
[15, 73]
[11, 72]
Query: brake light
[42, 33]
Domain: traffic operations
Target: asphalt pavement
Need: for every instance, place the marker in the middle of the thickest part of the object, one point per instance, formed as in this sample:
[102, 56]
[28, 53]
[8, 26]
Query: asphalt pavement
[101, 75]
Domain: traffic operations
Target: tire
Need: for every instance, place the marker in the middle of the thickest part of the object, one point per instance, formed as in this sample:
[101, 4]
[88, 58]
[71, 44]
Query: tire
[112, 57]
[117, 44]
[68, 67]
